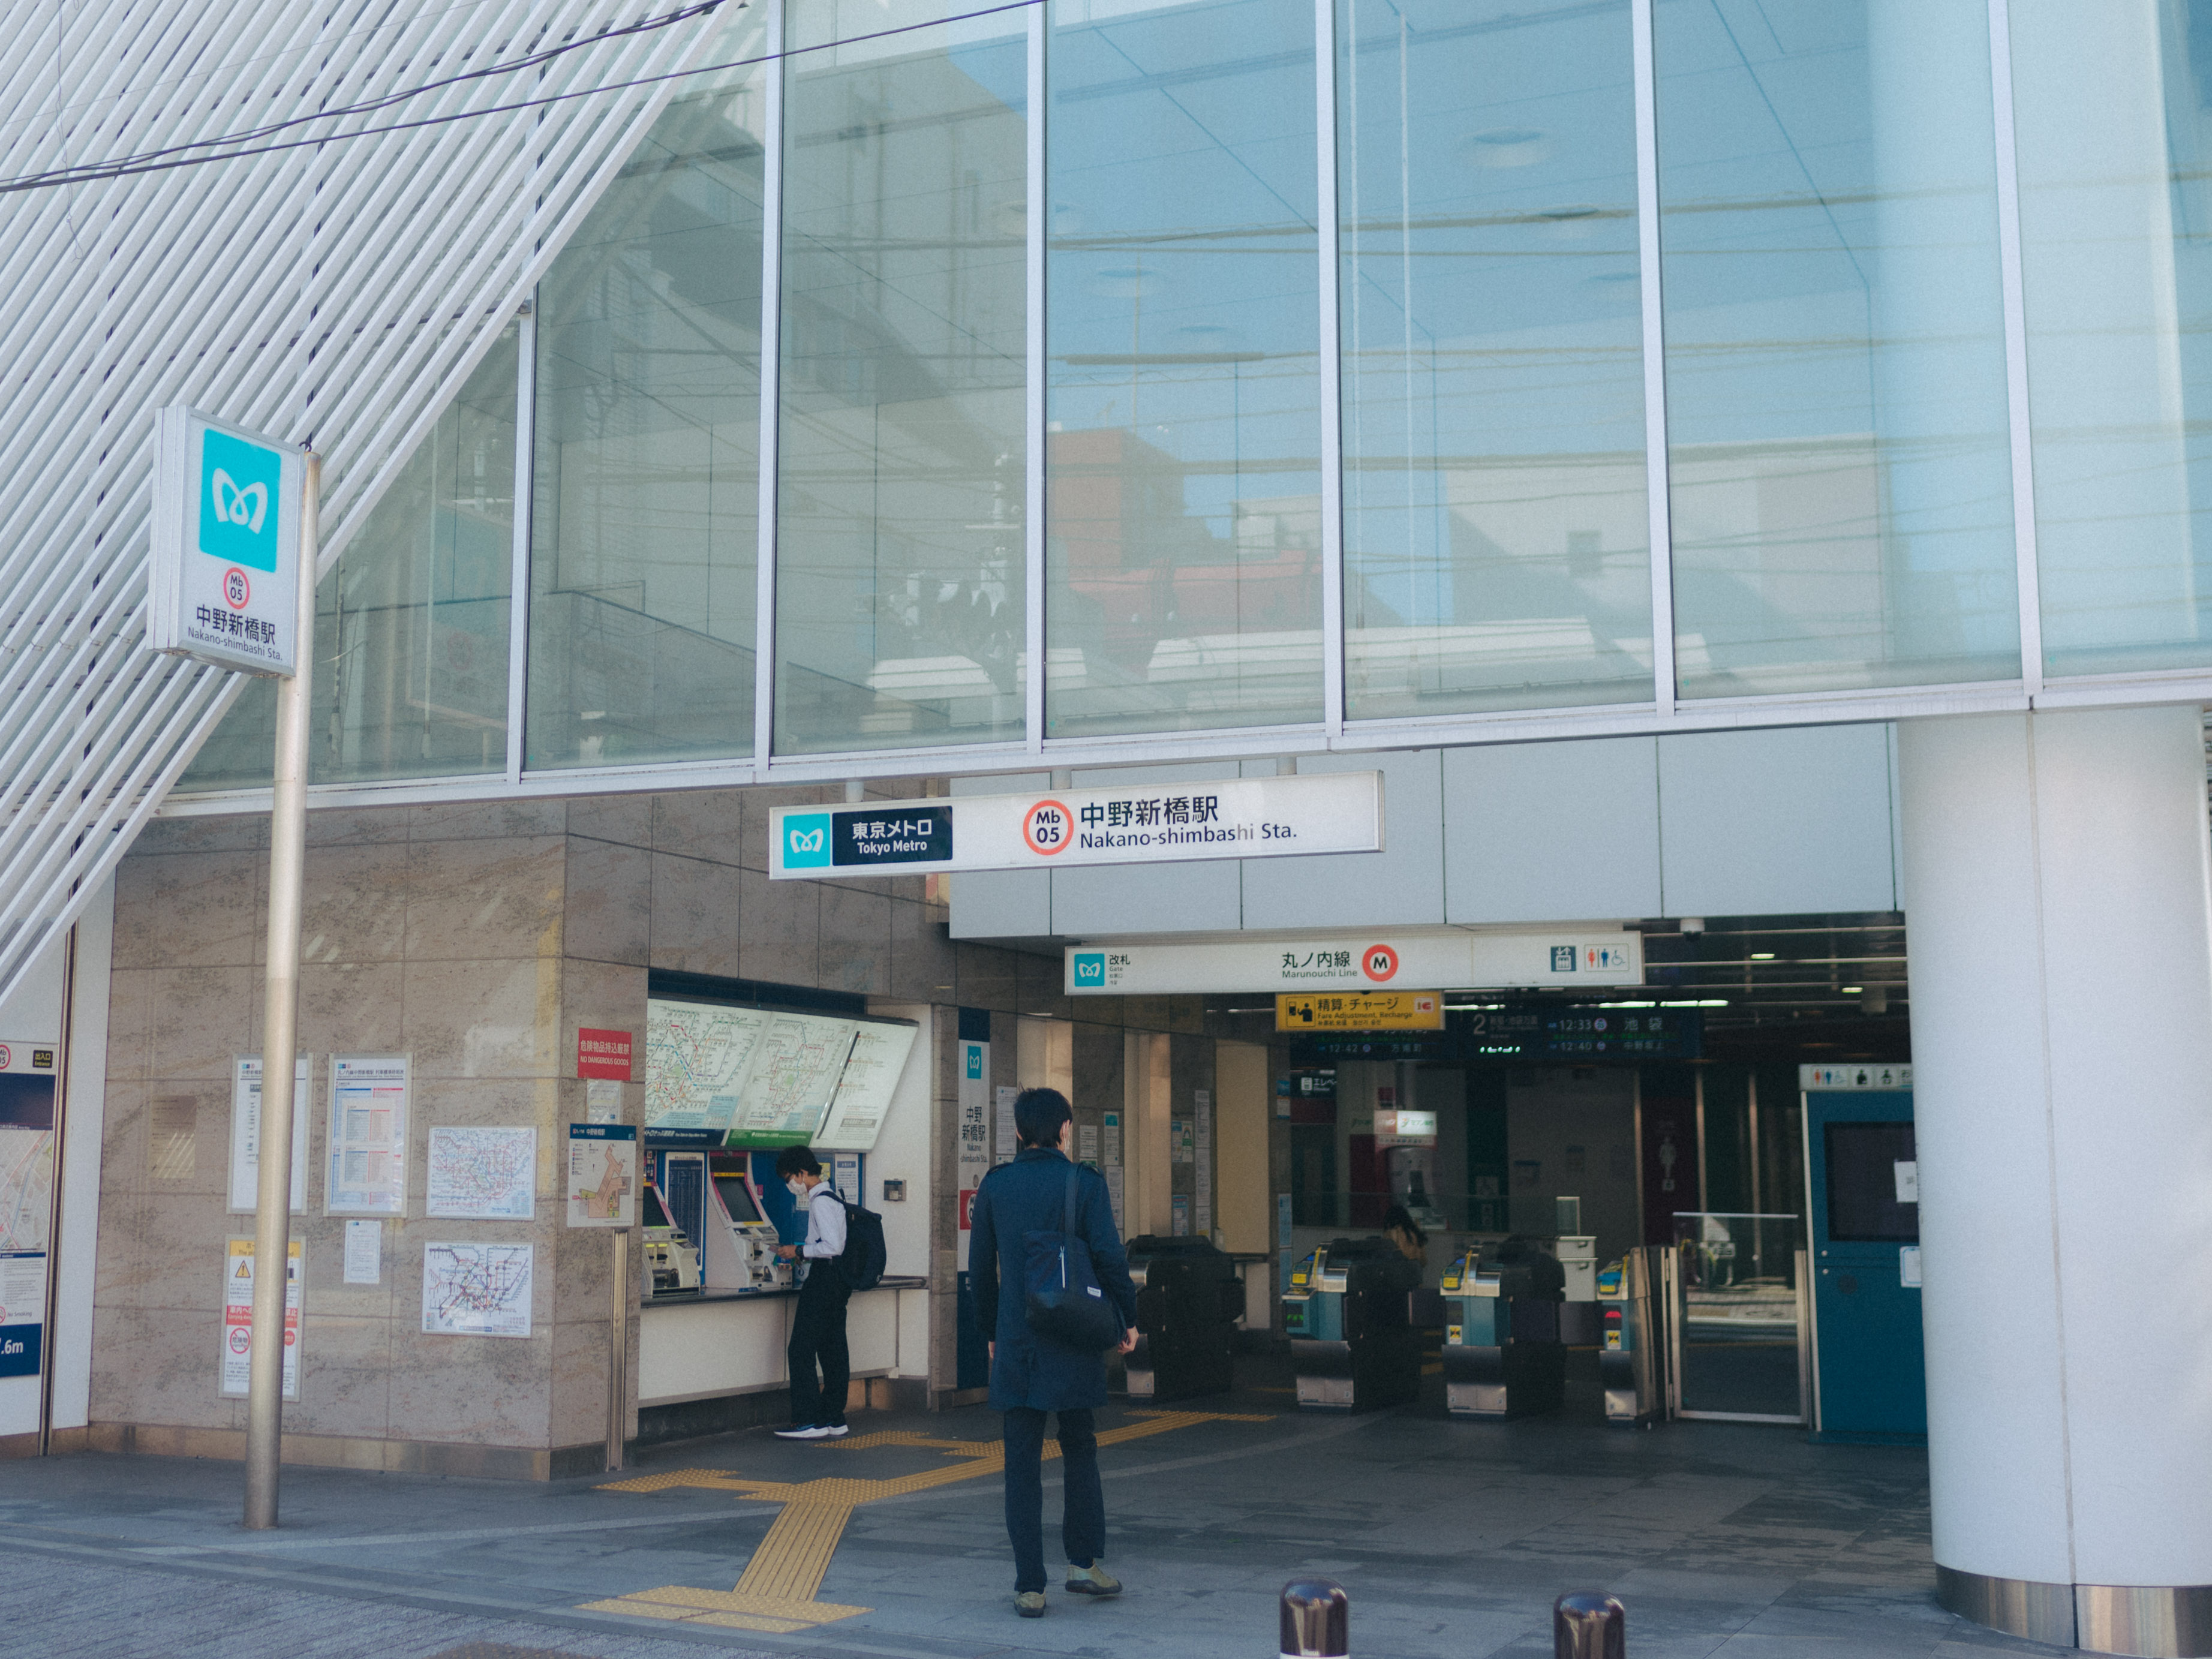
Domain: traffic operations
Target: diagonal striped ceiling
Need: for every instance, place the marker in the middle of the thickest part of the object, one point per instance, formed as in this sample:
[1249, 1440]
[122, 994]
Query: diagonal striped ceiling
[331, 280]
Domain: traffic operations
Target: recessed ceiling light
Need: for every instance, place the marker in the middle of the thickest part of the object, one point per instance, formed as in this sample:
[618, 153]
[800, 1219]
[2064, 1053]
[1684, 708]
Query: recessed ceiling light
[1762, 955]
[1853, 990]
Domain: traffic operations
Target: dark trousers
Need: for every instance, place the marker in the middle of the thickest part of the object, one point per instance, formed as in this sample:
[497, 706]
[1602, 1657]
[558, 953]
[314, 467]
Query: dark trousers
[818, 1333]
[1083, 1511]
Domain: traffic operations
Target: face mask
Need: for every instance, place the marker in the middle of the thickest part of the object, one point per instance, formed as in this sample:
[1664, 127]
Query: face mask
[797, 1187]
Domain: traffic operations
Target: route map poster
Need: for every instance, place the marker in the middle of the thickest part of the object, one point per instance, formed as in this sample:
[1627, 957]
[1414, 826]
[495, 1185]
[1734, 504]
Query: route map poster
[602, 1174]
[697, 1057]
[476, 1290]
[796, 1072]
[27, 1196]
[481, 1175]
[368, 1135]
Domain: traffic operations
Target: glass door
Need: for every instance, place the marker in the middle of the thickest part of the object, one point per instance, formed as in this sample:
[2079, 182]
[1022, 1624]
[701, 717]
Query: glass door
[1738, 1326]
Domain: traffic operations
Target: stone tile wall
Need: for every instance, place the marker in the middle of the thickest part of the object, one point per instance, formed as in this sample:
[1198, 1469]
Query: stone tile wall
[478, 938]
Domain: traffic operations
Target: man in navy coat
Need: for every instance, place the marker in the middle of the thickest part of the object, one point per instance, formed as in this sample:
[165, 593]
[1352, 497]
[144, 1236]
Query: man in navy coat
[1032, 1375]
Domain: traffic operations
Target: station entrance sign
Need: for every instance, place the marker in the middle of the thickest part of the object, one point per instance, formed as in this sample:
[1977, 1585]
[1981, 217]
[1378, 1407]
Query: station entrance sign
[1305, 965]
[1154, 824]
[223, 580]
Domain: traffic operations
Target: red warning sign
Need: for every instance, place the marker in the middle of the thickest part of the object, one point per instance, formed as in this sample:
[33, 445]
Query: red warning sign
[602, 1054]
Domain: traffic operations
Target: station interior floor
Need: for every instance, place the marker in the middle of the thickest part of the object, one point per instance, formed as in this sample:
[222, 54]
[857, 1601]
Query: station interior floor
[1451, 1537]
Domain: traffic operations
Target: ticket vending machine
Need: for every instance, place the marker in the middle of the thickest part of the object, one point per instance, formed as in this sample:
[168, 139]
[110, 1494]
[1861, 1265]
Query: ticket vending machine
[739, 1248]
[1862, 1183]
[671, 1260]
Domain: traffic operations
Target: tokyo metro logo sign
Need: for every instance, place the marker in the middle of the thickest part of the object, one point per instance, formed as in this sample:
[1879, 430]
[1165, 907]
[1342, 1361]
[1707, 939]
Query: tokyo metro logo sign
[239, 482]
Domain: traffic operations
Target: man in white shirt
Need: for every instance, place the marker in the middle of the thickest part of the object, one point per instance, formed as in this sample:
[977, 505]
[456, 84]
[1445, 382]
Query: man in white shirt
[818, 1325]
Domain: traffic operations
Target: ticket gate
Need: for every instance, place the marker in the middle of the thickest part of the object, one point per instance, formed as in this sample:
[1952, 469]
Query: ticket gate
[1631, 1355]
[1503, 1356]
[1352, 1344]
[1188, 1301]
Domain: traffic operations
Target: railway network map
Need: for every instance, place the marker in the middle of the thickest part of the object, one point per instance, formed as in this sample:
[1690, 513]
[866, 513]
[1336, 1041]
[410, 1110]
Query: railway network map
[27, 1187]
[476, 1290]
[698, 1058]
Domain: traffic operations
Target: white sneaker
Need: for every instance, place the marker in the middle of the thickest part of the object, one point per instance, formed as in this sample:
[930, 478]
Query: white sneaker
[830, 1431]
[806, 1432]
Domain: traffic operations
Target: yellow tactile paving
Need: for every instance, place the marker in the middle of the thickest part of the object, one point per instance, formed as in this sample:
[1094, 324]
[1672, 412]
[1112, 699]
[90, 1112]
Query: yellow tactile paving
[776, 1592]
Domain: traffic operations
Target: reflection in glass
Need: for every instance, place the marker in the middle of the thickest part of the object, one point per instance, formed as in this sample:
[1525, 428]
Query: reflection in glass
[1496, 522]
[1738, 1315]
[1838, 452]
[645, 512]
[1181, 448]
[409, 675]
[899, 546]
[2116, 231]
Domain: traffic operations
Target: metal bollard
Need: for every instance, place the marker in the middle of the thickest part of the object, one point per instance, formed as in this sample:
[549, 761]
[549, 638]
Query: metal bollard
[1588, 1625]
[1316, 1619]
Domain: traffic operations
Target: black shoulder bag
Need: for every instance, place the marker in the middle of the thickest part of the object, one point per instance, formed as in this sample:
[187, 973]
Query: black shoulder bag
[1065, 1304]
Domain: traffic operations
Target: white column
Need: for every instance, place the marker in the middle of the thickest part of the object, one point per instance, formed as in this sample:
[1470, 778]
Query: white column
[2059, 898]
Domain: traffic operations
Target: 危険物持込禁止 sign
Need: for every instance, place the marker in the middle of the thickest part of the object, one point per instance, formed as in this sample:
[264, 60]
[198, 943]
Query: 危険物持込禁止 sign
[1231, 818]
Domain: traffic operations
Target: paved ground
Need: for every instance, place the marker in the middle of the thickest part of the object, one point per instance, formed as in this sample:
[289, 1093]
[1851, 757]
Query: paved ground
[1451, 1538]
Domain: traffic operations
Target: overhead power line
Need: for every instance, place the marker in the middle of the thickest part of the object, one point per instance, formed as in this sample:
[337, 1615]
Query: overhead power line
[168, 159]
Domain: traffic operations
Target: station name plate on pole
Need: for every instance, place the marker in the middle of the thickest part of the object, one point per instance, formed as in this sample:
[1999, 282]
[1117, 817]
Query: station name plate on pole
[1309, 963]
[1147, 823]
[223, 580]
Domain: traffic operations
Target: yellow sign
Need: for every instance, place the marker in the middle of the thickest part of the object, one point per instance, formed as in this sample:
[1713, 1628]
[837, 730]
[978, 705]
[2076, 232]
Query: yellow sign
[1361, 1010]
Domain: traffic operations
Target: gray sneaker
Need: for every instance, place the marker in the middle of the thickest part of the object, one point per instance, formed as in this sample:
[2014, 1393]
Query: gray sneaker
[1030, 1604]
[1091, 1581]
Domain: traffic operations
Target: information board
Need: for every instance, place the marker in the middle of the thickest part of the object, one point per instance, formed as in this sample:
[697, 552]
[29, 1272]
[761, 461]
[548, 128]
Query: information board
[245, 1132]
[238, 1317]
[863, 1098]
[697, 1057]
[367, 1135]
[602, 1174]
[476, 1290]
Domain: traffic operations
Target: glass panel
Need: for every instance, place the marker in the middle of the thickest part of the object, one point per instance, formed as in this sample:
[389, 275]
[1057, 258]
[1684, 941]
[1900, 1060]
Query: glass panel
[1184, 505]
[645, 520]
[2116, 243]
[1495, 521]
[1839, 450]
[1739, 1314]
[411, 625]
[899, 549]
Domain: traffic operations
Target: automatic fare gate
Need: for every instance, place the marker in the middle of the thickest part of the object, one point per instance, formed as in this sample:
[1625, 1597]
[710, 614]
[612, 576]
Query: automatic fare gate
[1861, 1182]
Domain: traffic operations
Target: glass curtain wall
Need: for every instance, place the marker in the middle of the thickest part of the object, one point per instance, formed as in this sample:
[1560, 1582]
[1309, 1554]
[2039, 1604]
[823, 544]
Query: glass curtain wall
[1838, 452]
[645, 514]
[412, 624]
[1495, 544]
[2116, 229]
[1183, 446]
[900, 558]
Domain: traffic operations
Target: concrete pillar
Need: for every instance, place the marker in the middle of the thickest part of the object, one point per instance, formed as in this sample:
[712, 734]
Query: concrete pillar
[2058, 895]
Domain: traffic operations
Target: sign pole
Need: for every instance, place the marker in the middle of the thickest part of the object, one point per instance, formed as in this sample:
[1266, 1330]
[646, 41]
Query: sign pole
[280, 1020]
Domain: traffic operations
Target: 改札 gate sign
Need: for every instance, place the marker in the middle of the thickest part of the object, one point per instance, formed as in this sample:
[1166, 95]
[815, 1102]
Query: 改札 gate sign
[1145, 823]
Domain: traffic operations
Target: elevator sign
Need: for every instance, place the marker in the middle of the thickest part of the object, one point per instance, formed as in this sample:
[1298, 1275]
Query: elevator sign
[1136, 824]
[222, 584]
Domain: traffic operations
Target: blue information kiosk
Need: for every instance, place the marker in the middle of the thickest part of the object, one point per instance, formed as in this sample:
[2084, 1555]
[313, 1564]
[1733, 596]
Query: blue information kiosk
[1862, 1184]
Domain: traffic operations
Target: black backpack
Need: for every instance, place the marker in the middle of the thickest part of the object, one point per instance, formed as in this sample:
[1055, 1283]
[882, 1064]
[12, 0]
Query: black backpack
[862, 1263]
